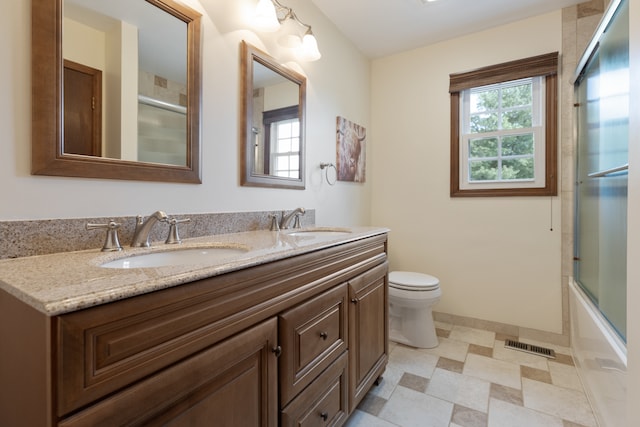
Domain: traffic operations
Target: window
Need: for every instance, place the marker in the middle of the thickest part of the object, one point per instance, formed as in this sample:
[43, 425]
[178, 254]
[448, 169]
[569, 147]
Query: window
[282, 142]
[504, 129]
[285, 155]
[502, 138]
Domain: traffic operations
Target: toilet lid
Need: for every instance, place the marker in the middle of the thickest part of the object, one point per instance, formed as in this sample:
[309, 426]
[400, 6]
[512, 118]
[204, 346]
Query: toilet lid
[413, 281]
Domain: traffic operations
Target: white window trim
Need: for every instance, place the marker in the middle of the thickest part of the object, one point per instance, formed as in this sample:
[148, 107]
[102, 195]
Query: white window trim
[538, 130]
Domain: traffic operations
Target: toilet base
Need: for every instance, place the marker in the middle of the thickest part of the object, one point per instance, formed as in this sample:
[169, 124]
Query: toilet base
[412, 327]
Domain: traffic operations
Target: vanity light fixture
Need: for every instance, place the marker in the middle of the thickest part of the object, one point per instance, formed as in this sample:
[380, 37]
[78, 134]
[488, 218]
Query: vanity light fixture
[271, 16]
[265, 17]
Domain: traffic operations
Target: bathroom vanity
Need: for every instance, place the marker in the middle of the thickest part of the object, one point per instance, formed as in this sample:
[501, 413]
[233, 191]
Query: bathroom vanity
[291, 331]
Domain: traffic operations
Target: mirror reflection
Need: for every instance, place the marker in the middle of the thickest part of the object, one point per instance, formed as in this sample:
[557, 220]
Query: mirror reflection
[276, 124]
[98, 66]
[273, 122]
[125, 81]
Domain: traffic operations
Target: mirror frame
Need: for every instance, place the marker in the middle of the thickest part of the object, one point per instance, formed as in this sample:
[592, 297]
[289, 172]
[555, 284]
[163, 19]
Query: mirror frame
[47, 156]
[249, 54]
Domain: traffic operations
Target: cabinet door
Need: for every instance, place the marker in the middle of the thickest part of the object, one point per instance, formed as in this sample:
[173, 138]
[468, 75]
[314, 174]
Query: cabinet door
[231, 384]
[368, 331]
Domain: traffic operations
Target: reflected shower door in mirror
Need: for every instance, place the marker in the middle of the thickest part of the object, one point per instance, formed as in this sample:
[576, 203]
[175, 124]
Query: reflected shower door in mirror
[272, 136]
[129, 104]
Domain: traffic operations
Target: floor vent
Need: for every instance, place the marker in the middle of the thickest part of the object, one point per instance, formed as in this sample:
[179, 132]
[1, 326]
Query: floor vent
[528, 348]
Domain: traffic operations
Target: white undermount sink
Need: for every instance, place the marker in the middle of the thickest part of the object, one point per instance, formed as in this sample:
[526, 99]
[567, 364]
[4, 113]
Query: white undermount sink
[178, 257]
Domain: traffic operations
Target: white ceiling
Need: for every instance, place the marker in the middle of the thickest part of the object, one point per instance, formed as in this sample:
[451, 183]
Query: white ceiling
[383, 27]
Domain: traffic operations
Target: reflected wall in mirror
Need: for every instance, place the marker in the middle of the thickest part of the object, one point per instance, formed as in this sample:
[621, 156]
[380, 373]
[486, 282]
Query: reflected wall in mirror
[118, 89]
[272, 122]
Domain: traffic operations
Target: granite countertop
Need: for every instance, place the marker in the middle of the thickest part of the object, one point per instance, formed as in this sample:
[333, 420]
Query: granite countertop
[65, 282]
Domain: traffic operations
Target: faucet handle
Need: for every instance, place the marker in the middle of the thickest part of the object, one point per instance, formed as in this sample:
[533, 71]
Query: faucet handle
[111, 241]
[274, 222]
[174, 237]
[296, 222]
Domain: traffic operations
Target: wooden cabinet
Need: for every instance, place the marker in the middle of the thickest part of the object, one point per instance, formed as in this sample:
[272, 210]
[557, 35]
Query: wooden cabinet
[368, 331]
[277, 343]
[233, 383]
[313, 335]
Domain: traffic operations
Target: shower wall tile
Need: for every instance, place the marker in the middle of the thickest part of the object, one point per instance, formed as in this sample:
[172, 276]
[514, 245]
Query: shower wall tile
[589, 8]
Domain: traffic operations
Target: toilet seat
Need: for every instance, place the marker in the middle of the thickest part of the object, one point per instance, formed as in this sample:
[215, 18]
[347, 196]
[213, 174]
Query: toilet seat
[410, 281]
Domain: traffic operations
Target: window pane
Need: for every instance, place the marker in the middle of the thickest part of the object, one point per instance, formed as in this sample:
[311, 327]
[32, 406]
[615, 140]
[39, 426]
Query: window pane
[484, 170]
[517, 169]
[517, 96]
[284, 130]
[517, 119]
[517, 145]
[284, 145]
[484, 100]
[487, 122]
[282, 163]
[483, 147]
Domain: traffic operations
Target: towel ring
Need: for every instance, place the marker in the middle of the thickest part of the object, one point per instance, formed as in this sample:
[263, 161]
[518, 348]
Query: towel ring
[326, 173]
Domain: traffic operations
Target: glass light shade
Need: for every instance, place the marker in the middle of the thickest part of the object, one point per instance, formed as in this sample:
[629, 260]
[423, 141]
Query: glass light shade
[309, 49]
[290, 37]
[265, 18]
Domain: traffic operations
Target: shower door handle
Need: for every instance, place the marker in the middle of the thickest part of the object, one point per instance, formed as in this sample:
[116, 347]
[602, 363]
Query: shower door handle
[607, 172]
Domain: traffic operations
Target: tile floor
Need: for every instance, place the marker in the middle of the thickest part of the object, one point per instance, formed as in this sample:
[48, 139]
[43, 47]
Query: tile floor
[471, 380]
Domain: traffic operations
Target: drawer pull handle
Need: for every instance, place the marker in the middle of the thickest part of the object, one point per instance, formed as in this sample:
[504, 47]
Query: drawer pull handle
[277, 351]
[354, 300]
[324, 335]
[324, 416]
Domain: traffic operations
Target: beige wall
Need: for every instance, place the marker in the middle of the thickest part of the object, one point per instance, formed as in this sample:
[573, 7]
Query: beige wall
[84, 44]
[496, 258]
[338, 85]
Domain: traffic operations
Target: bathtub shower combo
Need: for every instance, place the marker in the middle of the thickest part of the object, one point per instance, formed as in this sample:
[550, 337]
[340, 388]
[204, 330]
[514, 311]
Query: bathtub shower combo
[599, 288]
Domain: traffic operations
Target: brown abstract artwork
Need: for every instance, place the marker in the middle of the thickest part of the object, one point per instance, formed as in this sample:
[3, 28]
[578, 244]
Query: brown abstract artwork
[350, 150]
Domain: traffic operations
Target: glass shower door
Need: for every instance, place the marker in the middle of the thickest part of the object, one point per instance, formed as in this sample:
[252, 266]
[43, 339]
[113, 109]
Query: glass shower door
[601, 188]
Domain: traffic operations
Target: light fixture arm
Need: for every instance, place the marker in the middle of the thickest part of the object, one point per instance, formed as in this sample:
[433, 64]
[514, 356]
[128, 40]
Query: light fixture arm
[271, 14]
[289, 13]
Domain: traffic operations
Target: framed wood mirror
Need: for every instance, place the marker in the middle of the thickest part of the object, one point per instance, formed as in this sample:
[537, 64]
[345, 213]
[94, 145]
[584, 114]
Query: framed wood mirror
[272, 135]
[137, 114]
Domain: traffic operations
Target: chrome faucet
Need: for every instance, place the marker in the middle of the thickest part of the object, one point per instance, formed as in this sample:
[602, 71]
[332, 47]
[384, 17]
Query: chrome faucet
[143, 228]
[286, 219]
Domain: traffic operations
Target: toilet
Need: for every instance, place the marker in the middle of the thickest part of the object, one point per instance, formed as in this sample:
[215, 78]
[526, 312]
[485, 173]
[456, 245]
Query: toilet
[411, 298]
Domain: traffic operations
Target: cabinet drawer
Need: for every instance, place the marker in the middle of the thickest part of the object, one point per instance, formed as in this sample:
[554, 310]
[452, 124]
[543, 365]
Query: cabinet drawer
[324, 402]
[312, 334]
